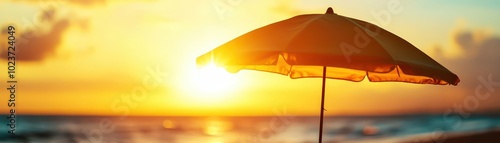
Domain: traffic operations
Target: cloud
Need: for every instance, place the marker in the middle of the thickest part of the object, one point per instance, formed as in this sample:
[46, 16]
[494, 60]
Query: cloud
[83, 3]
[480, 54]
[88, 3]
[40, 46]
[36, 44]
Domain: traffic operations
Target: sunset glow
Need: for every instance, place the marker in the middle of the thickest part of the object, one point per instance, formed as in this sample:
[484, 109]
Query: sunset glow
[210, 83]
[85, 57]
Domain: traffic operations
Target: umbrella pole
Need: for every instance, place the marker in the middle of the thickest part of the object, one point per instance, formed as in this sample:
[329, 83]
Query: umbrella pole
[322, 105]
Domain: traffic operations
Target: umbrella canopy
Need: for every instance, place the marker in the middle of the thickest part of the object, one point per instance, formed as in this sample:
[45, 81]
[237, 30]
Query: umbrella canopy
[329, 46]
[351, 49]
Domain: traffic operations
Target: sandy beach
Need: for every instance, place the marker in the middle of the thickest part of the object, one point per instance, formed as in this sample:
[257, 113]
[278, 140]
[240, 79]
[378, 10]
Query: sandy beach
[492, 136]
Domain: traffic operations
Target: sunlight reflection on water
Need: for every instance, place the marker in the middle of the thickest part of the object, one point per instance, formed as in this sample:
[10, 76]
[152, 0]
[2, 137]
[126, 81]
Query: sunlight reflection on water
[216, 126]
[234, 129]
[169, 124]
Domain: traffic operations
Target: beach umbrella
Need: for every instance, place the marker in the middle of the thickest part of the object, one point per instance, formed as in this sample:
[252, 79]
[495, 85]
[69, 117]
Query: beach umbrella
[329, 46]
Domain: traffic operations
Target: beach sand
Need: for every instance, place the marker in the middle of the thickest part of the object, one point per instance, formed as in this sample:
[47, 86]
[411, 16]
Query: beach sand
[474, 137]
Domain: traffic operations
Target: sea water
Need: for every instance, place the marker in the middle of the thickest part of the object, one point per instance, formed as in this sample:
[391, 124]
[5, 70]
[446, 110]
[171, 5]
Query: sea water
[299, 129]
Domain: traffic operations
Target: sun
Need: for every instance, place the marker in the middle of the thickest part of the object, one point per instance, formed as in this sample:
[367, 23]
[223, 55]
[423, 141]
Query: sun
[213, 79]
[209, 84]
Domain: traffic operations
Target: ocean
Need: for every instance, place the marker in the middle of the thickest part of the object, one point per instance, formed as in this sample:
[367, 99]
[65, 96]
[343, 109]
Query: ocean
[272, 129]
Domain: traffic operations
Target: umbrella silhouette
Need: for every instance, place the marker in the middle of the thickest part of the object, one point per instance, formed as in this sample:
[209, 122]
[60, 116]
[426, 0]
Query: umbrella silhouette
[329, 46]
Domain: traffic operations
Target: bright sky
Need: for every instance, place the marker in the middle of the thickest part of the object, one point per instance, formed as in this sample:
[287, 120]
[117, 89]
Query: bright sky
[97, 57]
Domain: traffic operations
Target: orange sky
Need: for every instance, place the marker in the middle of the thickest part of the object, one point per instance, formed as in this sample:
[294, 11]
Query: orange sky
[102, 57]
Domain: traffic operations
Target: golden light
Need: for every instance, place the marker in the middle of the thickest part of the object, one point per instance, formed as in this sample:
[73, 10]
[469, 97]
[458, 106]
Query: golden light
[208, 85]
[169, 124]
[216, 127]
[213, 79]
